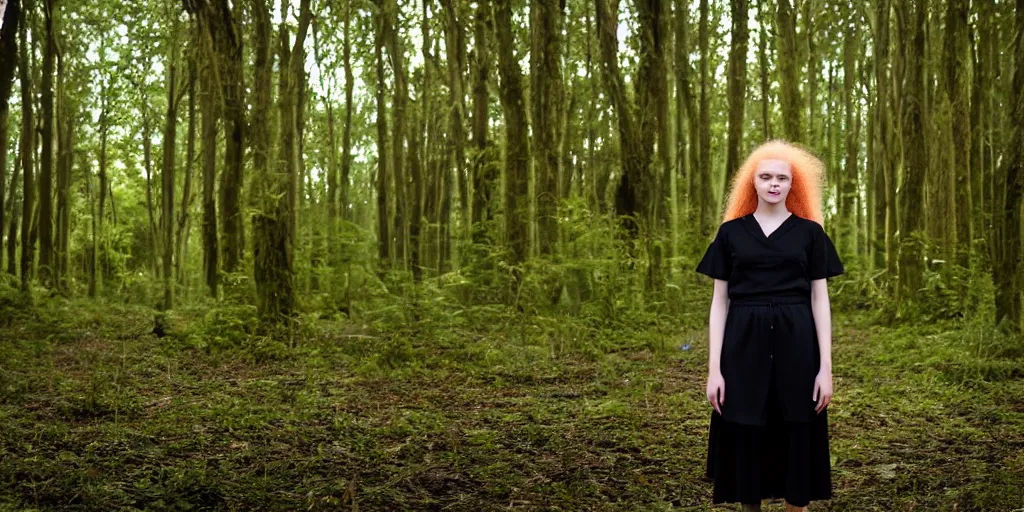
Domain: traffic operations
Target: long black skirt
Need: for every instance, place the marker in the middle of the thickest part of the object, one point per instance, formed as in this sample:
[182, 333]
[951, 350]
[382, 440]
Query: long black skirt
[778, 460]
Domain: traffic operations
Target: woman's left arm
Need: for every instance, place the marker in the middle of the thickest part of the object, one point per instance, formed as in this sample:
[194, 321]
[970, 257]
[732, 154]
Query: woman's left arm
[822, 311]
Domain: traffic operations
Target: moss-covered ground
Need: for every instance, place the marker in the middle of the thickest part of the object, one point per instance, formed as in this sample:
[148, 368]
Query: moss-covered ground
[489, 412]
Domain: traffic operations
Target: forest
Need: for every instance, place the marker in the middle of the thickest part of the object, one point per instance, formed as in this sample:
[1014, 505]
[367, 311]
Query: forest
[439, 254]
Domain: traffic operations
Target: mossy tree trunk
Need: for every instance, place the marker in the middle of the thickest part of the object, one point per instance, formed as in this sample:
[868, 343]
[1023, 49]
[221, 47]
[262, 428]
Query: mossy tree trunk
[8, 63]
[789, 67]
[1006, 267]
[915, 160]
[545, 93]
[517, 145]
[47, 272]
[27, 150]
[737, 86]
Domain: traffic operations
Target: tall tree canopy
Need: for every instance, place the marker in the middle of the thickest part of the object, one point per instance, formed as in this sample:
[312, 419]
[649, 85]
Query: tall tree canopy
[295, 154]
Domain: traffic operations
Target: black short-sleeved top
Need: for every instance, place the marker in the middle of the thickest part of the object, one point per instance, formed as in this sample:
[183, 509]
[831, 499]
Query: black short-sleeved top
[782, 264]
[770, 329]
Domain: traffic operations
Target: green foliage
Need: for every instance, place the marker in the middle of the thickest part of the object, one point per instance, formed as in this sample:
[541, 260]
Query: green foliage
[220, 326]
[953, 292]
[14, 304]
[452, 412]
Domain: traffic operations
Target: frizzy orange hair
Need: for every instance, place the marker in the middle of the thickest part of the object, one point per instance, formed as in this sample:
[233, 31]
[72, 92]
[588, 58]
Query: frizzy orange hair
[804, 197]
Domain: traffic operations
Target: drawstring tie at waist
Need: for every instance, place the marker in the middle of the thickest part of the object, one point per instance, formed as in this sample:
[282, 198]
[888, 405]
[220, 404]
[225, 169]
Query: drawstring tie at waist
[770, 301]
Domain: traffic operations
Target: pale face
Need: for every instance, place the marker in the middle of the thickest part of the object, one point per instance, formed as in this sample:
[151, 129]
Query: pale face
[773, 180]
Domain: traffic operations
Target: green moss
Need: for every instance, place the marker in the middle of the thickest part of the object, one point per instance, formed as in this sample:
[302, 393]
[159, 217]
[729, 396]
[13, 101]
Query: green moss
[493, 411]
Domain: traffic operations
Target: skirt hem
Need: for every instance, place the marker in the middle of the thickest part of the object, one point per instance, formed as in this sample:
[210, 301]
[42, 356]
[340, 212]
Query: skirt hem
[779, 460]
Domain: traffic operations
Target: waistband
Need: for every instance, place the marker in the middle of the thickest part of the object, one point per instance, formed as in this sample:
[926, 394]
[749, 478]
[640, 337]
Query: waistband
[770, 301]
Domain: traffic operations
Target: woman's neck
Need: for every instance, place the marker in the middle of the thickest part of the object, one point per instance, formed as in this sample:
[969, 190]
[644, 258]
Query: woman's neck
[770, 210]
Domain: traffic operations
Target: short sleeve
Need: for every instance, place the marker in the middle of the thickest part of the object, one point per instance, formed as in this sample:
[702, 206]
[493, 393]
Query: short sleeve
[823, 261]
[717, 261]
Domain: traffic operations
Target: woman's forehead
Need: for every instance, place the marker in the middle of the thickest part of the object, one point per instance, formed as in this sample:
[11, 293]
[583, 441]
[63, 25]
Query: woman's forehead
[774, 166]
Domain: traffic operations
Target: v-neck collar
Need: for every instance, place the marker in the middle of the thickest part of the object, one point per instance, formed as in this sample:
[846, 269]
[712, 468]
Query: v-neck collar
[755, 227]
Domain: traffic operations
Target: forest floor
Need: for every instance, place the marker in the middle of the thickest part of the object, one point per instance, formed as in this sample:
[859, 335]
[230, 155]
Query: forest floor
[482, 414]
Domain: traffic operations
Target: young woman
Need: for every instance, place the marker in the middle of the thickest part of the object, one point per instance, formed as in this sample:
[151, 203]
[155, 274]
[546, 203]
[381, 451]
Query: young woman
[770, 341]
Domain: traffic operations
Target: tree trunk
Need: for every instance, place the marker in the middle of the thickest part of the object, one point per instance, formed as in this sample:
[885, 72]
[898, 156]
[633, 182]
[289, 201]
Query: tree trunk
[291, 90]
[65, 135]
[1006, 269]
[762, 61]
[861, 172]
[332, 185]
[661, 89]
[271, 259]
[652, 112]
[147, 157]
[940, 202]
[219, 33]
[230, 48]
[595, 174]
[957, 89]
[396, 52]
[27, 149]
[303, 179]
[847, 239]
[13, 209]
[789, 68]
[567, 127]
[455, 46]
[994, 70]
[8, 63]
[833, 113]
[569, 149]
[810, 11]
[430, 243]
[703, 167]
[545, 92]
[94, 238]
[274, 237]
[737, 86]
[447, 186]
[517, 146]
[485, 180]
[895, 139]
[186, 193]
[416, 172]
[913, 14]
[305, 186]
[167, 172]
[210, 115]
[637, 131]
[208, 25]
[882, 210]
[979, 86]
[416, 203]
[46, 255]
[383, 161]
[346, 153]
[686, 107]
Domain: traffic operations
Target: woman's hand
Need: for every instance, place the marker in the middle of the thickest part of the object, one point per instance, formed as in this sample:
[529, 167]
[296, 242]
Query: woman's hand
[822, 390]
[716, 391]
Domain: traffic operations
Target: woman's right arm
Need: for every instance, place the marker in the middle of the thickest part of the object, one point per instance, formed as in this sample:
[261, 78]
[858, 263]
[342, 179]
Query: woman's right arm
[716, 332]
